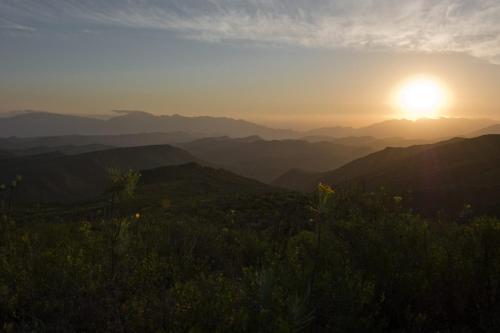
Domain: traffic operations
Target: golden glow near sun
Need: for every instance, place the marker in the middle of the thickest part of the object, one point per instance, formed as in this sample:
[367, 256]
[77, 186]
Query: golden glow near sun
[421, 97]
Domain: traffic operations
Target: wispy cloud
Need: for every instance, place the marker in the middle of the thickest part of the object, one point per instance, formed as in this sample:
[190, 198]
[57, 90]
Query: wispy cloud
[466, 26]
[12, 26]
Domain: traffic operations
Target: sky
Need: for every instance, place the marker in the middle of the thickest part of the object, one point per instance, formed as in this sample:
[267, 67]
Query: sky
[287, 63]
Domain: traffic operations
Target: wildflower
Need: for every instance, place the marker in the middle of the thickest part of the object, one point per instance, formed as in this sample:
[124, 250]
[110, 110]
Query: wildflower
[398, 199]
[325, 188]
[325, 193]
[137, 216]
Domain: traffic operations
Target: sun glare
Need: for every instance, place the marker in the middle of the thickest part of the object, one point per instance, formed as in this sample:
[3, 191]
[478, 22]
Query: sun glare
[421, 97]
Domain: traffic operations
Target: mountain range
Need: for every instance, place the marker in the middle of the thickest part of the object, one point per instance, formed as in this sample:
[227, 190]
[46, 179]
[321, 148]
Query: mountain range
[252, 157]
[368, 141]
[35, 124]
[265, 160]
[428, 129]
[449, 174]
[118, 140]
[65, 158]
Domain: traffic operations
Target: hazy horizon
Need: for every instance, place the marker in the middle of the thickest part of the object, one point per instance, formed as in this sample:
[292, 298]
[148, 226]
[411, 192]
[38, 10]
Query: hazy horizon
[277, 124]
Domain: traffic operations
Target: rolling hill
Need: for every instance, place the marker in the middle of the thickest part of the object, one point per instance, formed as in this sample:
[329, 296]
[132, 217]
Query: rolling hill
[367, 141]
[66, 150]
[428, 129]
[179, 184]
[119, 140]
[265, 160]
[446, 174]
[55, 177]
[493, 129]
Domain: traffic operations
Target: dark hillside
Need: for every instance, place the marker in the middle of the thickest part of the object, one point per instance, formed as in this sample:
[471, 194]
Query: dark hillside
[448, 174]
[265, 160]
[56, 177]
[179, 184]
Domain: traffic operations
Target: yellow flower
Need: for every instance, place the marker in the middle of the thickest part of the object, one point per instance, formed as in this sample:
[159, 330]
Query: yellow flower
[137, 216]
[397, 199]
[326, 189]
[325, 193]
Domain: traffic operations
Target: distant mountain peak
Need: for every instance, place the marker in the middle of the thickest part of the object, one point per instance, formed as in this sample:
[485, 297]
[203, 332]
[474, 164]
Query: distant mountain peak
[38, 124]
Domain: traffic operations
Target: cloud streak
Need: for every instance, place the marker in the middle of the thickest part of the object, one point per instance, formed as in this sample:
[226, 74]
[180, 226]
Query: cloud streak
[465, 26]
[12, 26]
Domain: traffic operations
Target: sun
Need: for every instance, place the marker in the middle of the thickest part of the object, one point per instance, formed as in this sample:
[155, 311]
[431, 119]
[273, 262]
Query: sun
[421, 97]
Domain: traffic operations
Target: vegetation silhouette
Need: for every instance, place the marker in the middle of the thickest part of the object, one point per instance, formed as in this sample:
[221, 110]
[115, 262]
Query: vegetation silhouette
[342, 260]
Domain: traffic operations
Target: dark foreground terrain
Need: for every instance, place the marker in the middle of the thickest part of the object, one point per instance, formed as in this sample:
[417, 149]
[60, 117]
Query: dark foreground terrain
[193, 249]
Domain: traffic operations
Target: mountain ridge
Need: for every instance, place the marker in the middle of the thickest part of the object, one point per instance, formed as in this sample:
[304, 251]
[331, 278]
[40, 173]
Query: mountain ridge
[36, 124]
[264, 160]
[55, 177]
[458, 170]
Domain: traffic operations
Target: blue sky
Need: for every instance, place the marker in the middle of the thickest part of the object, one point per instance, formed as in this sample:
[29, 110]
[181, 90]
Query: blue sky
[268, 60]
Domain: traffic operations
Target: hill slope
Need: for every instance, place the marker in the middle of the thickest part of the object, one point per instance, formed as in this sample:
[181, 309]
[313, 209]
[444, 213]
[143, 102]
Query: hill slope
[119, 140]
[66, 150]
[493, 129]
[265, 160]
[445, 174]
[55, 177]
[429, 129]
[368, 141]
[180, 184]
